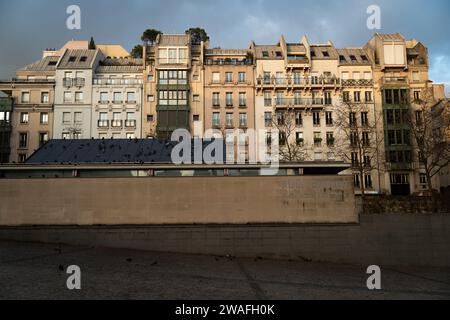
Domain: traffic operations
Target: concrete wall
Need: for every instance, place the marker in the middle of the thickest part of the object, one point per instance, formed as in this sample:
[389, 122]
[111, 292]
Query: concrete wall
[385, 240]
[212, 200]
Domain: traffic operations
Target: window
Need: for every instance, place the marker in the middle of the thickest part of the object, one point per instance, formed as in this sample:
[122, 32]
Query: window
[196, 98]
[423, 179]
[266, 77]
[368, 96]
[229, 77]
[44, 118]
[131, 98]
[65, 136]
[45, 97]
[416, 95]
[354, 139]
[130, 136]
[342, 59]
[216, 99]
[24, 117]
[117, 97]
[229, 99]
[66, 118]
[242, 99]
[229, 120]
[268, 119]
[325, 53]
[265, 54]
[243, 120]
[352, 119]
[216, 119]
[67, 74]
[316, 119]
[103, 97]
[368, 181]
[298, 119]
[365, 139]
[79, 96]
[242, 77]
[364, 119]
[216, 77]
[72, 59]
[416, 76]
[22, 158]
[4, 116]
[317, 139]
[130, 120]
[327, 98]
[329, 118]
[25, 97]
[267, 99]
[196, 117]
[330, 139]
[364, 58]
[78, 117]
[300, 139]
[346, 96]
[353, 59]
[150, 118]
[43, 138]
[357, 96]
[23, 140]
[356, 75]
[355, 161]
[83, 59]
[67, 96]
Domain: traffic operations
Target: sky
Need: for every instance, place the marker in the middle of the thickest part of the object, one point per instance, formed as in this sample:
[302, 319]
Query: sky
[29, 26]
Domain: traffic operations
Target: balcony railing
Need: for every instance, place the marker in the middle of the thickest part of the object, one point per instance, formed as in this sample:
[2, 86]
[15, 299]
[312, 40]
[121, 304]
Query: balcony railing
[103, 123]
[130, 123]
[299, 101]
[298, 81]
[215, 62]
[29, 80]
[395, 80]
[116, 123]
[357, 82]
[74, 82]
[102, 81]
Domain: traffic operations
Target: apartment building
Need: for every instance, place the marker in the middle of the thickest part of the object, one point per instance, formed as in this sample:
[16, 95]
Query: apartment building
[32, 91]
[400, 68]
[173, 86]
[6, 107]
[73, 94]
[117, 93]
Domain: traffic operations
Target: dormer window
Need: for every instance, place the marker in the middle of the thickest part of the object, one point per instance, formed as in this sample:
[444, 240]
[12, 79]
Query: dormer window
[325, 53]
[364, 58]
[83, 59]
[342, 59]
[265, 54]
[72, 59]
[278, 53]
[52, 63]
[353, 58]
[313, 53]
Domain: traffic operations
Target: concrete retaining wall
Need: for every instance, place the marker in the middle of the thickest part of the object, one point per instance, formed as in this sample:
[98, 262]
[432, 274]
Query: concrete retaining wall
[197, 200]
[397, 240]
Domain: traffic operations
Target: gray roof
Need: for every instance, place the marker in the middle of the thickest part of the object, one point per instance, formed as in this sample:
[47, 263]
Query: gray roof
[391, 37]
[82, 59]
[105, 151]
[120, 66]
[319, 52]
[229, 52]
[173, 40]
[45, 64]
[271, 50]
[358, 53]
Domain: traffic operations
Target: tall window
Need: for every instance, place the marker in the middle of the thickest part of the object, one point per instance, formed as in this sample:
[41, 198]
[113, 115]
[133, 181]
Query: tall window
[242, 77]
[131, 97]
[103, 97]
[364, 119]
[43, 138]
[368, 96]
[242, 99]
[216, 99]
[79, 96]
[45, 97]
[229, 77]
[242, 119]
[352, 119]
[25, 97]
[329, 118]
[357, 96]
[67, 96]
[23, 140]
[44, 118]
[66, 118]
[216, 77]
[78, 117]
[316, 119]
[229, 99]
[268, 119]
[117, 97]
[24, 117]
[229, 119]
[216, 119]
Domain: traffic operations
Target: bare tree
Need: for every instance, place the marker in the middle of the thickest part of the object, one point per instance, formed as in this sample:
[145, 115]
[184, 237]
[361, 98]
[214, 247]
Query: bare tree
[429, 124]
[358, 140]
[291, 149]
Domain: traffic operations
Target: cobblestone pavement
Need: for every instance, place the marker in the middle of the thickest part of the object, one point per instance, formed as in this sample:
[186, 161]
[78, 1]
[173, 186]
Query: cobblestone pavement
[37, 271]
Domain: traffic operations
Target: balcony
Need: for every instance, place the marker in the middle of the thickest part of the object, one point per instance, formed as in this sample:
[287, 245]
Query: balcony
[395, 81]
[74, 82]
[301, 102]
[108, 82]
[357, 83]
[298, 81]
[116, 124]
[117, 101]
[130, 123]
[231, 62]
[103, 123]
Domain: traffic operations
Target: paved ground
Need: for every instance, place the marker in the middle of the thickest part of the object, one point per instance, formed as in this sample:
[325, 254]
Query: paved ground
[37, 271]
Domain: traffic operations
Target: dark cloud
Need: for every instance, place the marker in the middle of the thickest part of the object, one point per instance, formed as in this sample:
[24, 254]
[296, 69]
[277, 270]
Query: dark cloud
[28, 26]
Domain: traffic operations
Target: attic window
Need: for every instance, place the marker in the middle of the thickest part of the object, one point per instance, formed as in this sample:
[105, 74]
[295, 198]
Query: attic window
[325, 53]
[265, 54]
[342, 59]
[313, 53]
[83, 59]
[72, 59]
[364, 58]
[353, 58]
[52, 63]
[278, 53]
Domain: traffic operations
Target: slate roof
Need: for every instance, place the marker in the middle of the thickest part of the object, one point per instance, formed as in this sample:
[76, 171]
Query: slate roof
[319, 52]
[45, 64]
[82, 59]
[120, 65]
[358, 53]
[105, 151]
[391, 37]
[173, 40]
[271, 51]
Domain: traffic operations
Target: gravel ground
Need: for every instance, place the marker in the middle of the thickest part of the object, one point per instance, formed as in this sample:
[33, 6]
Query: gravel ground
[38, 271]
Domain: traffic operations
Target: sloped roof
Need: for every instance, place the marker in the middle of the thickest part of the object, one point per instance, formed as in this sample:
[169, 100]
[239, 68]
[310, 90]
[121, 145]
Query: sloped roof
[120, 65]
[358, 53]
[271, 51]
[113, 50]
[230, 52]
[319, 50]
[295, 47]
[82, 59]
[45, 64]
[391, 37]
[105, 151]
[173, 40]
